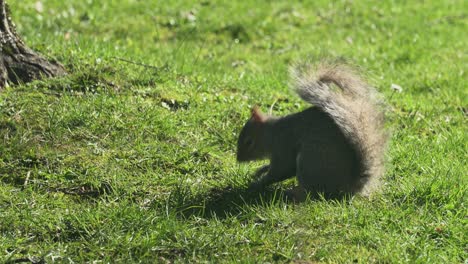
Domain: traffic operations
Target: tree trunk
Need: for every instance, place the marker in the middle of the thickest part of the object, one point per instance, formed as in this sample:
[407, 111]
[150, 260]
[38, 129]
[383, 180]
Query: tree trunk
[18, 63]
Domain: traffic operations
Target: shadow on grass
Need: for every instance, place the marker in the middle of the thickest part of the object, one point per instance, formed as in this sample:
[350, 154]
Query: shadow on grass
[222, 203]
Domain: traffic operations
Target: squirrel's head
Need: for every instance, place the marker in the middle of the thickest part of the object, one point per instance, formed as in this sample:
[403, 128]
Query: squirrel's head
[250, 145]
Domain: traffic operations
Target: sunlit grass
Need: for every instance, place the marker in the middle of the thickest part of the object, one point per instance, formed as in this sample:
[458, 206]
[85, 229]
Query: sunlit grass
[131, 157]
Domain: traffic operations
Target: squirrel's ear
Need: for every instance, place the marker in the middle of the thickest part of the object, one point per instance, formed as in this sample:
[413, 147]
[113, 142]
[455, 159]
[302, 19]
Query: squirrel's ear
[257, 114]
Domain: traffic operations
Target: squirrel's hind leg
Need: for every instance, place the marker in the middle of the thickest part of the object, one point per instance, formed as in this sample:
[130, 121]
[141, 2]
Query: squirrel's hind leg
[324, 169]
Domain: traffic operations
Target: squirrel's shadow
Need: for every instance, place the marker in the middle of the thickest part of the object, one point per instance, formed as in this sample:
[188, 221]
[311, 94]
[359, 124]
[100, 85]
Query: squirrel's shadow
[229, 201]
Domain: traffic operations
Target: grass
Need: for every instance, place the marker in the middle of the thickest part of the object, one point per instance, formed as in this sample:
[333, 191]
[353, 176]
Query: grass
[119, 162]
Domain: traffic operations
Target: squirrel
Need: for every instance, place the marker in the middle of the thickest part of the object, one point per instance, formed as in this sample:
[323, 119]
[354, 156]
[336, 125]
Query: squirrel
[336, 147]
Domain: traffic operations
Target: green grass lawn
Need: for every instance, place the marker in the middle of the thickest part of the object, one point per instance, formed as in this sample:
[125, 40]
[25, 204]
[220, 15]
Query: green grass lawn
[131, 157]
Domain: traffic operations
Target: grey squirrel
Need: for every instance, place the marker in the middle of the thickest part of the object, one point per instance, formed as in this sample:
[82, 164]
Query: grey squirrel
[336, 147]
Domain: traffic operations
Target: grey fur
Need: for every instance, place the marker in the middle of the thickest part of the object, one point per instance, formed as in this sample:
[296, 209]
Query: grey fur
[336, 147]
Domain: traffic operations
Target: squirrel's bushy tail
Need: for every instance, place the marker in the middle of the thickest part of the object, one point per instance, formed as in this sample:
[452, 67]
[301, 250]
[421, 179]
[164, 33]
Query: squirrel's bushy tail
[354, 105]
